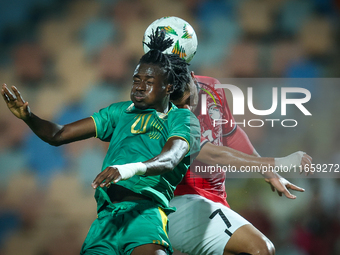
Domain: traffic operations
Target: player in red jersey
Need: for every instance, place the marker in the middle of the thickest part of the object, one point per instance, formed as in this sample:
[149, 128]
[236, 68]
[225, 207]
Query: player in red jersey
[204, 222]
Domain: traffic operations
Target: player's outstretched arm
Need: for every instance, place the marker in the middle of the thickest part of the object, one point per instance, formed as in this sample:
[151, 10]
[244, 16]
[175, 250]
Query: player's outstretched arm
[211, 154]
[49, 132]
[172, 153]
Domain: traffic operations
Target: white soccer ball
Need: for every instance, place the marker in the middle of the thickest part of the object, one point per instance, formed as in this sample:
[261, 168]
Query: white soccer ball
[182, 33]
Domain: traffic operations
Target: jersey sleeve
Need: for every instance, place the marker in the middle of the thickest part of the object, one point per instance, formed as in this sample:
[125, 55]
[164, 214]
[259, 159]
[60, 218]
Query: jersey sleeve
[107, 118]
[184, 124]
[239, 141]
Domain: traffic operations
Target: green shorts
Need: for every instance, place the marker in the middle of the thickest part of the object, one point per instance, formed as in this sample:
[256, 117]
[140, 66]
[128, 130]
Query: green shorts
[121, 227]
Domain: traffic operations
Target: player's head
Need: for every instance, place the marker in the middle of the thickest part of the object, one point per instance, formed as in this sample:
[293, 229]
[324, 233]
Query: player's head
[155, 79]
[189, 98]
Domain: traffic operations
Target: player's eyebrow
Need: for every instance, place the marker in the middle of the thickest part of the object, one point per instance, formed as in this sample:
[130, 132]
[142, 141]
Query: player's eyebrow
[146, 76]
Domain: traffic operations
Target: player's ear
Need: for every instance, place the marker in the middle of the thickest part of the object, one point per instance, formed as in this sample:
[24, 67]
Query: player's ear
[169, 88]
[193, 77]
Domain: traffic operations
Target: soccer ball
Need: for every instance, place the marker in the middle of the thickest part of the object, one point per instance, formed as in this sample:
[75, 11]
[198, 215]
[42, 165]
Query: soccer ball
[182, 33]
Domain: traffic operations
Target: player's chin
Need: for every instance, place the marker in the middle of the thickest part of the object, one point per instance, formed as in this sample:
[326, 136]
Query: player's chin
[140, 104]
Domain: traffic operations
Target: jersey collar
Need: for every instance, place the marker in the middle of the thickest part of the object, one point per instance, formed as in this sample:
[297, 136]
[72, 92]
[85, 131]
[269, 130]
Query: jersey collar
[133, 109]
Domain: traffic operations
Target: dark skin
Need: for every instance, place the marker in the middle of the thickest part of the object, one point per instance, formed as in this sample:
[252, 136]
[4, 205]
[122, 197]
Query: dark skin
[145, 94]
[149, 91]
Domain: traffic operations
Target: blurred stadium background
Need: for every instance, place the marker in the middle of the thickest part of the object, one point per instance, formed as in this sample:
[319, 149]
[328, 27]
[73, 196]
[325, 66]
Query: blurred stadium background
[69, 58]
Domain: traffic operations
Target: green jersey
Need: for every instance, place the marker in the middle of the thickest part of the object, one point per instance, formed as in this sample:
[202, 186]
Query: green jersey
[137, 135]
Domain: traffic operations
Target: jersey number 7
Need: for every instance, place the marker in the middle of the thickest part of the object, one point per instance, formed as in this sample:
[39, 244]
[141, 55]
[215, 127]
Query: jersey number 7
[224, 218]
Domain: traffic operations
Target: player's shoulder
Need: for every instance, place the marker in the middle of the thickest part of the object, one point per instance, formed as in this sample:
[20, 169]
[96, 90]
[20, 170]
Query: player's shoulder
[123, 104]
[175, 112]
[210, 81]
[180, 114]
[114, 107]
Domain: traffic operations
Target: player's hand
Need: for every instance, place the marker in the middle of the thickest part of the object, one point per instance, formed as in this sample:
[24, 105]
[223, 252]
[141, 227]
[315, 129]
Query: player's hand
[282, 186]
[15, 102]
[106, 177]
[298, 160]
[306, 162]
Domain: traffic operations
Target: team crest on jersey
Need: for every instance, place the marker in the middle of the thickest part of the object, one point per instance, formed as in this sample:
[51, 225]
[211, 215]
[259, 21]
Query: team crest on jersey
[214, 112]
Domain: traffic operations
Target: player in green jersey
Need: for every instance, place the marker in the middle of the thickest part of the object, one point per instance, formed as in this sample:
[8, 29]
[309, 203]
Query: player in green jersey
[152, 143]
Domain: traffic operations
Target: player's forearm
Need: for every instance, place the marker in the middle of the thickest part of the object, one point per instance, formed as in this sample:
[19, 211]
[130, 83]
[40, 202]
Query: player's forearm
[225, 156]
[56, 135]
[45, 130]
[172, 153]
[241, 160]
[160, 165]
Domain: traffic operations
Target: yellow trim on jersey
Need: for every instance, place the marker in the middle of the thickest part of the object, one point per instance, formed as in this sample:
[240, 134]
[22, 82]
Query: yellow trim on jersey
[95, 125]
[162, 115]
[182, 138]
[164, 243]
[169, 110]
[164, 219]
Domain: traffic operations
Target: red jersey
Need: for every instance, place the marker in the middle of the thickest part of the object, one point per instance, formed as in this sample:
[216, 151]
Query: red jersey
[212, 187]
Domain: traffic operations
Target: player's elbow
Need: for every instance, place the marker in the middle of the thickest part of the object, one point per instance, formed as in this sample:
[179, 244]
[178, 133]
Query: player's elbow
[169, 165]
[55, 142]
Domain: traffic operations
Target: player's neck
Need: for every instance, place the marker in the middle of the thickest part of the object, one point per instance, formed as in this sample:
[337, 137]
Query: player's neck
[164, 107]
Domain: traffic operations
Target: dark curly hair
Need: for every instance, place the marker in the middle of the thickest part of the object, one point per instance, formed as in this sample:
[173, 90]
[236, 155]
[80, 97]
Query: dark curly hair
[175, 68]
